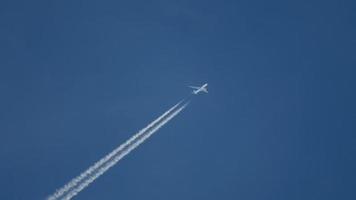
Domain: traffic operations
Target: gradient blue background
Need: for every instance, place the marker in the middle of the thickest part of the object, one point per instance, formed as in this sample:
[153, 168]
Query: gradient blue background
[77, 78]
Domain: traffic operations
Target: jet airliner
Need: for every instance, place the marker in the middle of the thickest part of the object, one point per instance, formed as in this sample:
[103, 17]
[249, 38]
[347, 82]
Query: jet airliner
[203, 88]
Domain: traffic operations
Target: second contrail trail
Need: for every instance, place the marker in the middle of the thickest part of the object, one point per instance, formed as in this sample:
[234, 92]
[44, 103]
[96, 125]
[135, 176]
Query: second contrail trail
[84, 179]
[120, 155]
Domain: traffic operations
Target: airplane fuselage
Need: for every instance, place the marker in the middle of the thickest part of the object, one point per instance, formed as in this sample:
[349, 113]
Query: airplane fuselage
[201, 89]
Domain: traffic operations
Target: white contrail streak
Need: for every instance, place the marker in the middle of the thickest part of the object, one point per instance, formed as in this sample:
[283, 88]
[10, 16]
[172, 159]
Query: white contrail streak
[120, 155]
[74, 182]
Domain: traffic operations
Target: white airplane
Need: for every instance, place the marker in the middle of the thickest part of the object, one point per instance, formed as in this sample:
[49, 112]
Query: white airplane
[202, 88]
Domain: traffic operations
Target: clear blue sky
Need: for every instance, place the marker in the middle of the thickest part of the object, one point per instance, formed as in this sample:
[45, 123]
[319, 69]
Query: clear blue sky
[77, 78]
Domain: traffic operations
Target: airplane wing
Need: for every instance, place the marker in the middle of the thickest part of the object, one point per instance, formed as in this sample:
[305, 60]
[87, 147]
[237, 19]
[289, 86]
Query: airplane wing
[194, 87]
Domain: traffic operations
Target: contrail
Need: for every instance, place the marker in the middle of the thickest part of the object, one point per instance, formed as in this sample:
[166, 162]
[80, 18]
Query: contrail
[91, 169]
[120, 155]
[74, 182]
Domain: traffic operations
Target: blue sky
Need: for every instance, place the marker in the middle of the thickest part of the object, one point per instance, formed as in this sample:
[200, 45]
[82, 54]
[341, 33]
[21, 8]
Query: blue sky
[77, 78]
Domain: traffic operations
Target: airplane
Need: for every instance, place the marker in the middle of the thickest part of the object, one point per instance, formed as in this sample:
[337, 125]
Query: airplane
[202, 88]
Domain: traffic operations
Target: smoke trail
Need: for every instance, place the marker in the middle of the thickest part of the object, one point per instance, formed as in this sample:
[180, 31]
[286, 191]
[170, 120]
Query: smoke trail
[71, 184]
[120, 155]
